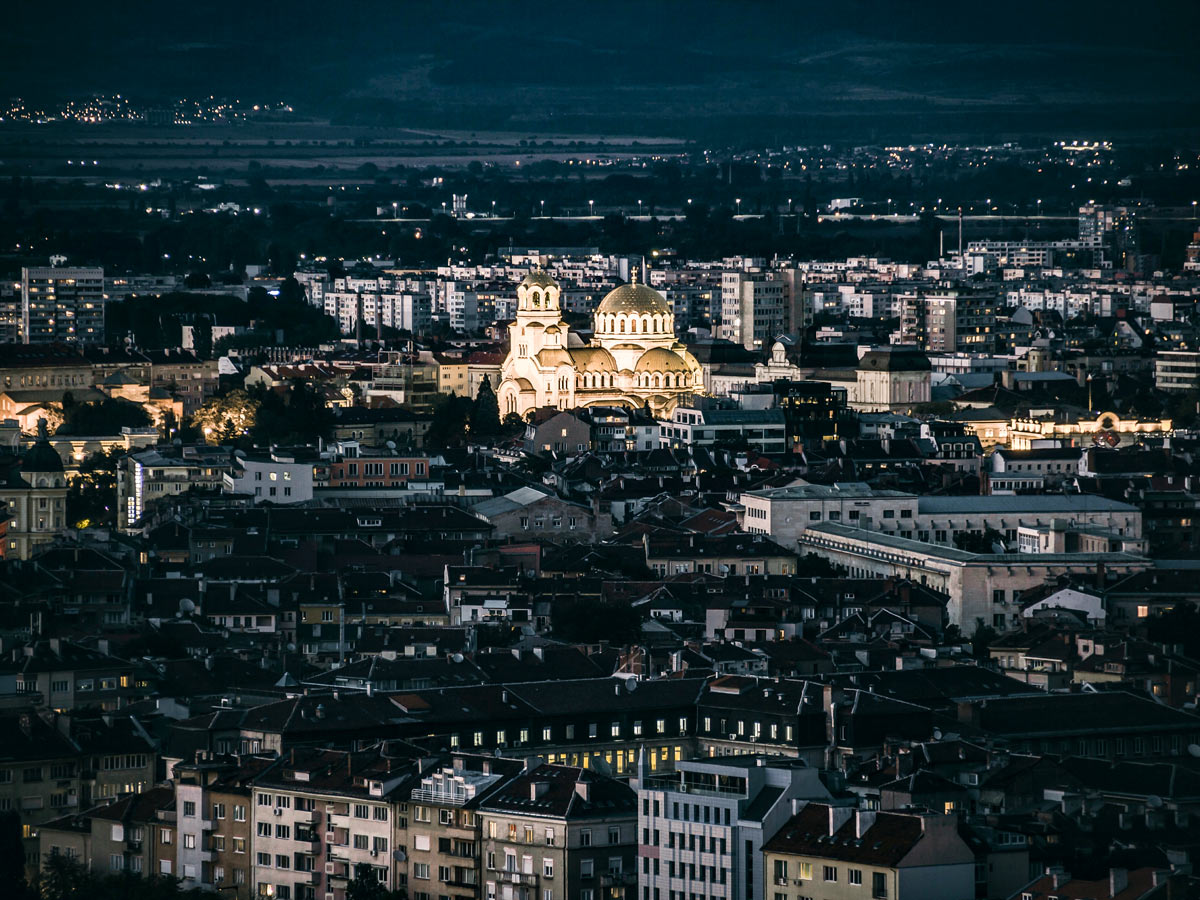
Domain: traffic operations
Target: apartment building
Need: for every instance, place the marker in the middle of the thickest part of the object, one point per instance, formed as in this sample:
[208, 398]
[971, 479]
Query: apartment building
[215, 836]
[702, 827]
[752, 308]
[322, 818]
[153, 475]
[135, 835]
[841, 853]
[558, 832]
[445, 834]
[281, 476]
[1177, 370]
[62, 304]
[951, 320]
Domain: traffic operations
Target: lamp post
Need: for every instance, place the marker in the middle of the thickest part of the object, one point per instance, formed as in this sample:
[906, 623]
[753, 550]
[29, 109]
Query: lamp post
[639, 207]
[738, 201]
[543, 209]
[591, 208]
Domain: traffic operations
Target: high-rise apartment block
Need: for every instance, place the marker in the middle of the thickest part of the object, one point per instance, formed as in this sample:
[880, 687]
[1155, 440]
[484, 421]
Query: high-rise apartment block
[752, 308]
[950, 320]
[62, 304]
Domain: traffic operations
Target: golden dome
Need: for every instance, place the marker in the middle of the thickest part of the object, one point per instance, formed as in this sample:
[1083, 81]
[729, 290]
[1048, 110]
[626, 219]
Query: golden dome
[635, 298]
[538, 277]
[593, 359]
[660, 360]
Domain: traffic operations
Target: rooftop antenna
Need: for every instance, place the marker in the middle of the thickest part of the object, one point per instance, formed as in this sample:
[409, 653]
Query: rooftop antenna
[960, 238]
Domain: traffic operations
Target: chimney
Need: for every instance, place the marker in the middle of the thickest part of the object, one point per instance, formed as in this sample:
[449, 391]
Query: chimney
[863, 820]
[1118, 880]
[838, 816]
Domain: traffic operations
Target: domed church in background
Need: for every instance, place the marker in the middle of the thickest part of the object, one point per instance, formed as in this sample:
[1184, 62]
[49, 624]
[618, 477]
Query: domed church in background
[633, 359]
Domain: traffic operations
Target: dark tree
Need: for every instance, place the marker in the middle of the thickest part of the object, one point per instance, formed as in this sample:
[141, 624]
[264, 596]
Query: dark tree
[485, 414]
[108, 416]
[12, 857]
[92, 496]
[450, 418]
[365, 886]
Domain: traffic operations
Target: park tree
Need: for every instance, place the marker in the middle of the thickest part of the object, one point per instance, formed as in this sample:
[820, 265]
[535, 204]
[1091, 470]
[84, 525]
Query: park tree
[226, 418]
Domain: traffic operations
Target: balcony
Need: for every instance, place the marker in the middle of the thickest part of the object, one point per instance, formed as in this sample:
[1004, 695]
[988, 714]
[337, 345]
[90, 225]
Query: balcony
[525, 878]
[617, 879]
[309, 877]
[306, 817]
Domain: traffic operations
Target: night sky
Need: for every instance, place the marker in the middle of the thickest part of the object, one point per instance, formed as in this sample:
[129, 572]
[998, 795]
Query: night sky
[645, 65]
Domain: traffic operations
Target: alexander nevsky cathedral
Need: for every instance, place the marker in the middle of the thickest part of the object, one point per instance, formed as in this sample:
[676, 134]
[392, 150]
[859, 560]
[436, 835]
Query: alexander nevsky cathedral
[633, 358]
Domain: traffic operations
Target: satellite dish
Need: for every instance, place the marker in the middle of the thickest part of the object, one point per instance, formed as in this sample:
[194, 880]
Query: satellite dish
[1194, 749]
[1154, 801]
[186, 606]
[937, 734]
[456, 657]
[391, 445]
[399, 856]
[630, 685]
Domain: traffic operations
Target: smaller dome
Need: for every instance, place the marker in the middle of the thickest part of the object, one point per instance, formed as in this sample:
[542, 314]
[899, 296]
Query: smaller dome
[594, 359]
[538, 277]
[41, 458]
[660, 360]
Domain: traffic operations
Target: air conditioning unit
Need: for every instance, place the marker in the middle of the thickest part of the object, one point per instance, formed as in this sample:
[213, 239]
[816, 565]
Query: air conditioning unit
[374, 852]
[278, 811]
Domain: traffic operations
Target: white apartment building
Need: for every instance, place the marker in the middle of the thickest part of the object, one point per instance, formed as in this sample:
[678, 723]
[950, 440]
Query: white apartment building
[752, 308]
[1177, 370]
[275, 478]
[702, 827]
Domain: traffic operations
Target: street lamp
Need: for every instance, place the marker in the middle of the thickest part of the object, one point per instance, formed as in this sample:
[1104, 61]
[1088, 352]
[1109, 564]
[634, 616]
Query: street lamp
[738, 201]
[443, 207]
[1039, 206]
[394, 209]
[543, 209]
[493, 209]
[591, 207]
[889, 206]
[639, 207]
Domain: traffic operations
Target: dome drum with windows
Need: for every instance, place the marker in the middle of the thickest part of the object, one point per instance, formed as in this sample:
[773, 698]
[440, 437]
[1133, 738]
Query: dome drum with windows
[633, 359]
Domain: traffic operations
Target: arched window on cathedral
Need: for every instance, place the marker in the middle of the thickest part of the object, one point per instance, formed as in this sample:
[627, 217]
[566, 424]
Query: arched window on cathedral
[536, 297]
[621, 324]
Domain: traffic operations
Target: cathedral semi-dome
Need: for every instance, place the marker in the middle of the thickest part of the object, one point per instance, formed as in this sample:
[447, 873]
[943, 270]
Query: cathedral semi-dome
[634, 298]
[594, 359]
[660, 360]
